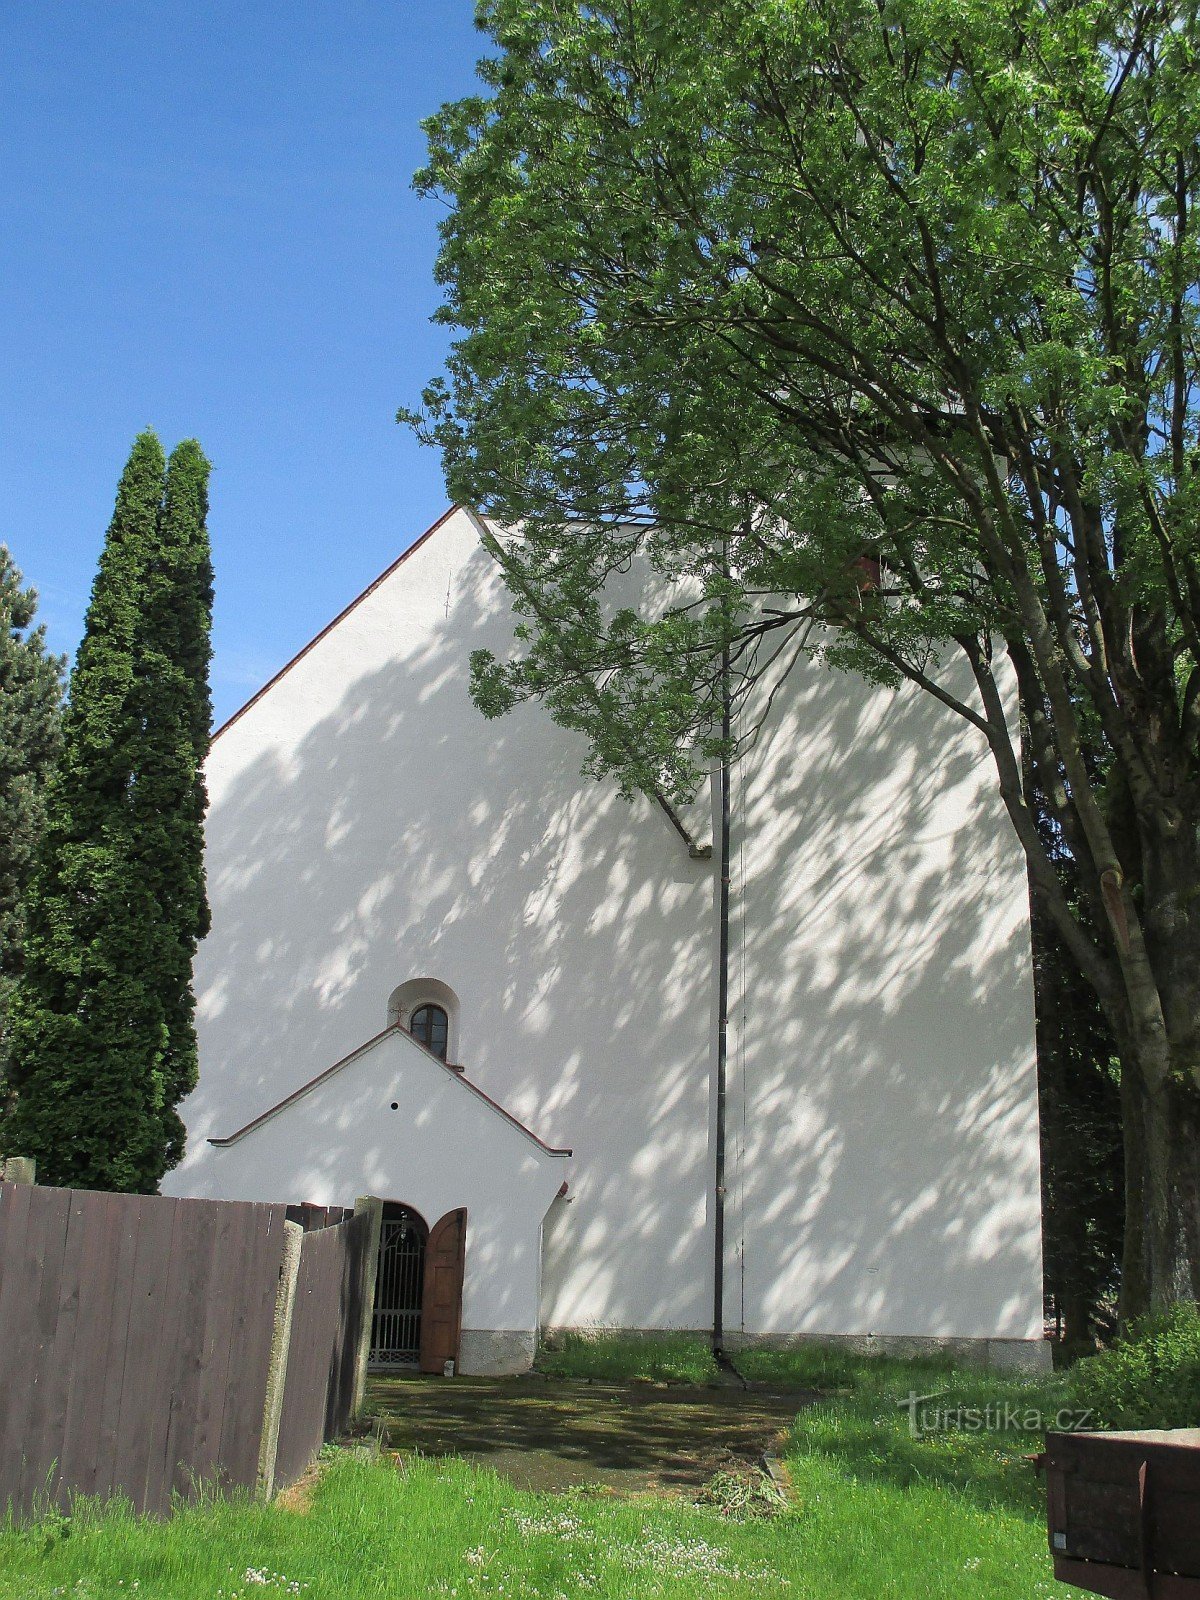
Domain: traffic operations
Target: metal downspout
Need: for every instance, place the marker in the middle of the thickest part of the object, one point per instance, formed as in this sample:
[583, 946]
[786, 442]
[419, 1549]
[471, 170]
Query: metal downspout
[718, 1332]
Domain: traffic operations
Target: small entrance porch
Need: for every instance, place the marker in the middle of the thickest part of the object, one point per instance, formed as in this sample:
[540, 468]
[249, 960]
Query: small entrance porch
[417, 1319]
[392, 1124]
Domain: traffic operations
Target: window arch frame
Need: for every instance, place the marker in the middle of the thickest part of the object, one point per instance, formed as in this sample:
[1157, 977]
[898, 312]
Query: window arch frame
[408, 998]
[434, 1012]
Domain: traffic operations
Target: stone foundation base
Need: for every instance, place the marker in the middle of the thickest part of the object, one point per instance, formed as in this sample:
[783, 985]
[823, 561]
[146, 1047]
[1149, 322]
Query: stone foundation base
[495, 1352]
[998, 1355]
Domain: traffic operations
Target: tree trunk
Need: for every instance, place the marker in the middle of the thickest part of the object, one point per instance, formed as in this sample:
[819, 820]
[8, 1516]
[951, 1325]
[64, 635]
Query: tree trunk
[1135, 1289]
[1076, 1309]
[1162, 1186]
[1154, 1011]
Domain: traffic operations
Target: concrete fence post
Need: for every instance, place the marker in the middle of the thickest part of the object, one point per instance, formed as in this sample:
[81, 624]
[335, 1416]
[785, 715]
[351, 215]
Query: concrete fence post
[281, 1338]
[19, 1169]
[374, 1208]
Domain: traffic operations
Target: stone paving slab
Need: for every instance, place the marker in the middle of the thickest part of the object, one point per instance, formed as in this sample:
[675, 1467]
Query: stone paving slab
[561, 1433]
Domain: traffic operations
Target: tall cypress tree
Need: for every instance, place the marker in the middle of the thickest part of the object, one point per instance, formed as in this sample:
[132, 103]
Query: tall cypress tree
[101, 1037]
[30, 706]
[169, 797]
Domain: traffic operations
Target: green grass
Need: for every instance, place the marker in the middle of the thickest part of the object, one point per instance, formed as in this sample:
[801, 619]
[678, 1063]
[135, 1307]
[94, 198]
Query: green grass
[616, 1358]
[875, 1515]
[834, 1367]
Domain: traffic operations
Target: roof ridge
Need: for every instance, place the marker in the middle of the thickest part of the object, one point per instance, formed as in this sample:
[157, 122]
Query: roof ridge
[341, 616]
[393, 1028]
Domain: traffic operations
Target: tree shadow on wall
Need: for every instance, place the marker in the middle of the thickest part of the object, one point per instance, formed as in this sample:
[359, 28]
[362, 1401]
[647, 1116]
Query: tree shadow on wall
[403, 835]
[882, 1036]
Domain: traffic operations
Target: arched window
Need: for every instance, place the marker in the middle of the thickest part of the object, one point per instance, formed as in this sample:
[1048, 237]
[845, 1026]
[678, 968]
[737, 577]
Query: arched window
[428, 1009]
[430, 1026]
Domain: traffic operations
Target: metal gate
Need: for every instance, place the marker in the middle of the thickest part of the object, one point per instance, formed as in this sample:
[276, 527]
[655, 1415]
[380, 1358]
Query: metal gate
[396, 1324]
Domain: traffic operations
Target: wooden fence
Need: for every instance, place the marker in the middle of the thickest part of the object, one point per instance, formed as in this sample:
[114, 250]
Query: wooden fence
[151, 1346]
[324, 1349]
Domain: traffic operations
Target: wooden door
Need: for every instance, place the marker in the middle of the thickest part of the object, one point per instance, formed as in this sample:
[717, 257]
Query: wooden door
[441, 1303]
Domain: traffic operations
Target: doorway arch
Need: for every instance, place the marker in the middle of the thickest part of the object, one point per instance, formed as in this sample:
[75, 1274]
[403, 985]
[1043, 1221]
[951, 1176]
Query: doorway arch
[399, 1287]
[417, 1314]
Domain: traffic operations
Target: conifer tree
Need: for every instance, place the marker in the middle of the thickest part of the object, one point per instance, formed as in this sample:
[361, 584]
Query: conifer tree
[30, 699]
[169, 797]
[102, 1046]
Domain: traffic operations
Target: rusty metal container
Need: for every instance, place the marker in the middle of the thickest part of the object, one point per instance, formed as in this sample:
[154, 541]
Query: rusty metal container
[1123, 1512]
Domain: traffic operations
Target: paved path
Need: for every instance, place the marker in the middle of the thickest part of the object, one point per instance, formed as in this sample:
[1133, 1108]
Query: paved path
[556, 1433]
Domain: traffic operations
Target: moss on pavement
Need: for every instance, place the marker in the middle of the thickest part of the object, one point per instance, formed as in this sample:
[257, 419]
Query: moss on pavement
[559, 1434]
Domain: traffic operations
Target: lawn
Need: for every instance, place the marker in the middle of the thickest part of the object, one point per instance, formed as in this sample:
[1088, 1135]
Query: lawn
[660, 1358]
[875, 1514]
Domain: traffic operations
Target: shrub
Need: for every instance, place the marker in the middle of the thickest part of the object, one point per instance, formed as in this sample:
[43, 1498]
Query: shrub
[1150, 1379]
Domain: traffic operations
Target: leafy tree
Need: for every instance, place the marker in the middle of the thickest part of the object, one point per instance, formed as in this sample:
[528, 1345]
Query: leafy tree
[102, 1043]
[30, 699]
[875, 318]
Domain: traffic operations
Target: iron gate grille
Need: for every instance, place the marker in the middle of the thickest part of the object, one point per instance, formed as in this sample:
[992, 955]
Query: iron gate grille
[396, 1323]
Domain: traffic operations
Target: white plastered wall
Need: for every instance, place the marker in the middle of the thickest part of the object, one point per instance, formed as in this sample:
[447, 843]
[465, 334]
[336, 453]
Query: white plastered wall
[368, 826]
[884, 1159]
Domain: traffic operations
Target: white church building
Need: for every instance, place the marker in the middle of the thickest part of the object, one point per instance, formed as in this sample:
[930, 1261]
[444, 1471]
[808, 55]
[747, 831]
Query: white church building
[448, 971]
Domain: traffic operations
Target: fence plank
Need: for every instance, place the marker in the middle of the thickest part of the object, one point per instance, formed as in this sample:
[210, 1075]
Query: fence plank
[198, 1242]
[147, 1310]
[14, 1224]
[97, 1287]
[20, 1325]
[128, 1226]
[355, 1305]
[160, 1376]
[137, 1339]
[58, 1377]
[302, 1424]
[224, 1294]
[43, 1426]
[261, 1258]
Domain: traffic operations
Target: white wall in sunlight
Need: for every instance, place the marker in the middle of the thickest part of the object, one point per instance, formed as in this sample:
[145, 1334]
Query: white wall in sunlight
[883, 1091]
[369, 827]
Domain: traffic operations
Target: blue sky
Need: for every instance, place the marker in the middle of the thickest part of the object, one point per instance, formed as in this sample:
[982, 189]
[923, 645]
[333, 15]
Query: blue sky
[207, 225]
